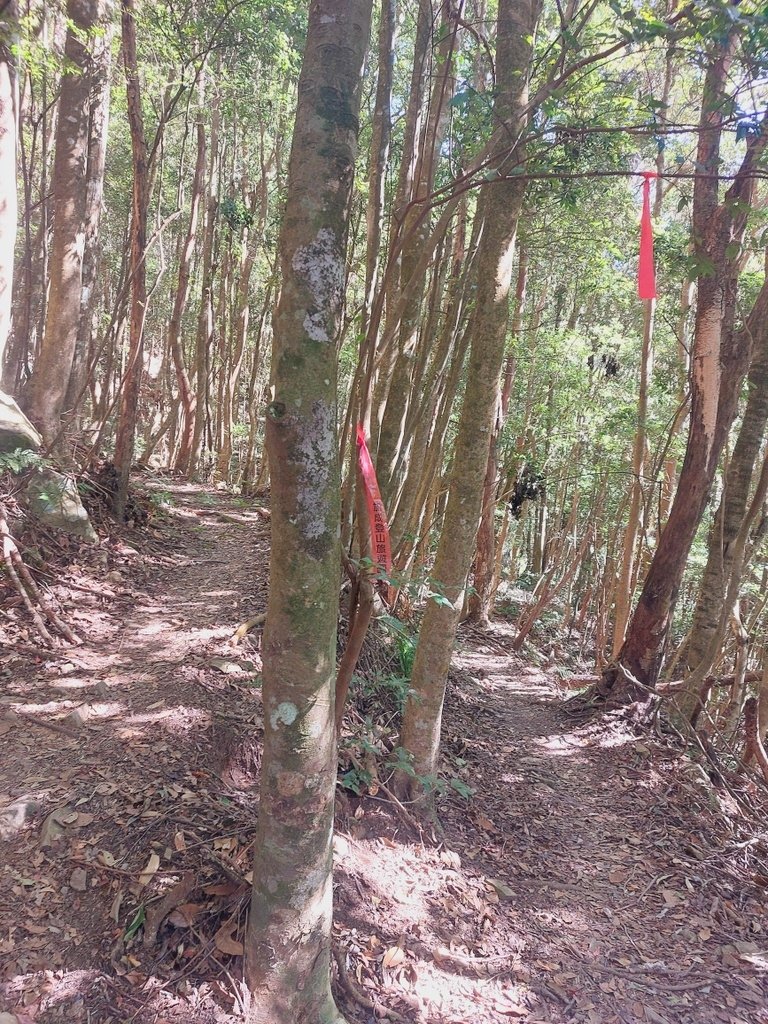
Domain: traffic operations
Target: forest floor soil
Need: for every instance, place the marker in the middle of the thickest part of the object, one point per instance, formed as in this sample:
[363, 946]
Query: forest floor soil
[594, 875]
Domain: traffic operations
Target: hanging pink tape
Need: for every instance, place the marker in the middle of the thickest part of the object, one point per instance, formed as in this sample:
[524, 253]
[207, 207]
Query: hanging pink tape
[646, 272]
[377, 516]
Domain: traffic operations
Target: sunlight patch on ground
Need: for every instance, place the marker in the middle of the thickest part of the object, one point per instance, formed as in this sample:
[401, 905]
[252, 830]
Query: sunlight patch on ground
[32, 994]
[178, 719]
[72, 683]
[561, 745]
[102, 709]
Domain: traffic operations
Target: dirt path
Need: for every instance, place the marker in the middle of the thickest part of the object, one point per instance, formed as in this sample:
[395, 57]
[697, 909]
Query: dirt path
[588, 879]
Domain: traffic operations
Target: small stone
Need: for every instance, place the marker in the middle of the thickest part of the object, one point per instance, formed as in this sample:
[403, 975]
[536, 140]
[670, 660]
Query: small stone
[14, 816]
[54, 499]
[79, 880]
[15, 429]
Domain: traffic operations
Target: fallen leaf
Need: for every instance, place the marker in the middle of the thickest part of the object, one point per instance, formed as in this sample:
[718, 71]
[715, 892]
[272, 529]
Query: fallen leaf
[485, 823]
[149, 871]
[220, 889]
[393, 956]
[229, 668]
[225, 942]
[184, 915]
[501, 887]
[114, 910]
[53, 827]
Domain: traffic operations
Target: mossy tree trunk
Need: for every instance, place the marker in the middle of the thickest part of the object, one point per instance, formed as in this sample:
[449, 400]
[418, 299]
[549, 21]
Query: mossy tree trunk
[499, 207]
[288, 945]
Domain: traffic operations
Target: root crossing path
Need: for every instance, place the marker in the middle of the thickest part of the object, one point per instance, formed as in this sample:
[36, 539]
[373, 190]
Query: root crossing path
[592, 876]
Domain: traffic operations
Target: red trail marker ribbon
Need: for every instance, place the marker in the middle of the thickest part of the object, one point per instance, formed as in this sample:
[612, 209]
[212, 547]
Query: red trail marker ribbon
[377, 515]
[646, 272]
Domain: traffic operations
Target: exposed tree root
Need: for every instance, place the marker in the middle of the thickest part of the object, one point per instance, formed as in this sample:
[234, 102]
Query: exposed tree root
[401, 809]
[28, 590]
[352, 992]
[754, 751]
[246, 627]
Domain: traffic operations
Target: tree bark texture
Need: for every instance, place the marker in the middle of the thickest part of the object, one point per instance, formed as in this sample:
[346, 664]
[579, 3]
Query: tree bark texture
[288, 945]
[9, 114]
[738, 479]
[129, 397]
[48, 387]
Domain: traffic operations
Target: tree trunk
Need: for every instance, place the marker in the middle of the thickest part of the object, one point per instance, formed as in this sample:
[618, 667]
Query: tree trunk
[413, 231]
[48, 387]
[186, 394]
[129, 398]
[738, 479]
[9, 113]
[205, 323]
[94, 199]
[481, 598]
[627, 574]
[499, 207]
[381, 135]
[288, 945]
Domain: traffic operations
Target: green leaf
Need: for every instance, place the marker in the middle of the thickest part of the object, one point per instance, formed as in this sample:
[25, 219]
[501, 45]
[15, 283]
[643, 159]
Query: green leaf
[138, 920]
[462, 788]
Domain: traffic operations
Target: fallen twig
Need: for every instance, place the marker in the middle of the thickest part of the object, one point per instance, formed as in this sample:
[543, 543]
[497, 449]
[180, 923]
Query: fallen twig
[61, 729]
[28, 589]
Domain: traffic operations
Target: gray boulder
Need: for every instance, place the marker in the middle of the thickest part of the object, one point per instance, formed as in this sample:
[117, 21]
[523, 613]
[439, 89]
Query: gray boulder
[53, 499]
[15, 429]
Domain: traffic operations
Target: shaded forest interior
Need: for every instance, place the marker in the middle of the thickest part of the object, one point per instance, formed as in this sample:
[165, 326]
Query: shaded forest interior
[383, 501]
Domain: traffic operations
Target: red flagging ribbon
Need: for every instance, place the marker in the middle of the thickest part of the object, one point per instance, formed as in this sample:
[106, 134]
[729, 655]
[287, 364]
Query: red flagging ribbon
[377, 516]
[646, 273]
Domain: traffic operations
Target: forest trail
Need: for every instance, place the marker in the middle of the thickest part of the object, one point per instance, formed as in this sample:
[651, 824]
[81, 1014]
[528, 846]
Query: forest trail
[589, 878]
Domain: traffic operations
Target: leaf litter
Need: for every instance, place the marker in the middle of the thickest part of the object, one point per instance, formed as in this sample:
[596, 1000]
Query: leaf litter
[591, 878]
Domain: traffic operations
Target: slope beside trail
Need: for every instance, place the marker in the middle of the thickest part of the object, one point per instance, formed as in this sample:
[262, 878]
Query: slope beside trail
[593, 876]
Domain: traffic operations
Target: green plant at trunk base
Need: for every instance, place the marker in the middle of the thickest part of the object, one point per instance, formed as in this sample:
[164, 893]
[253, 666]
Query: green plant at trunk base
[20, 459]
[431, 784]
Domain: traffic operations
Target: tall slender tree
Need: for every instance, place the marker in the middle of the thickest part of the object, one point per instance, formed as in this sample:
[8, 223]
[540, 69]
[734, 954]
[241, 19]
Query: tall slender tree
[9, 123]
[719, 362]
[289, 936]
[499, 208]
[129, 397]
[48, 386]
